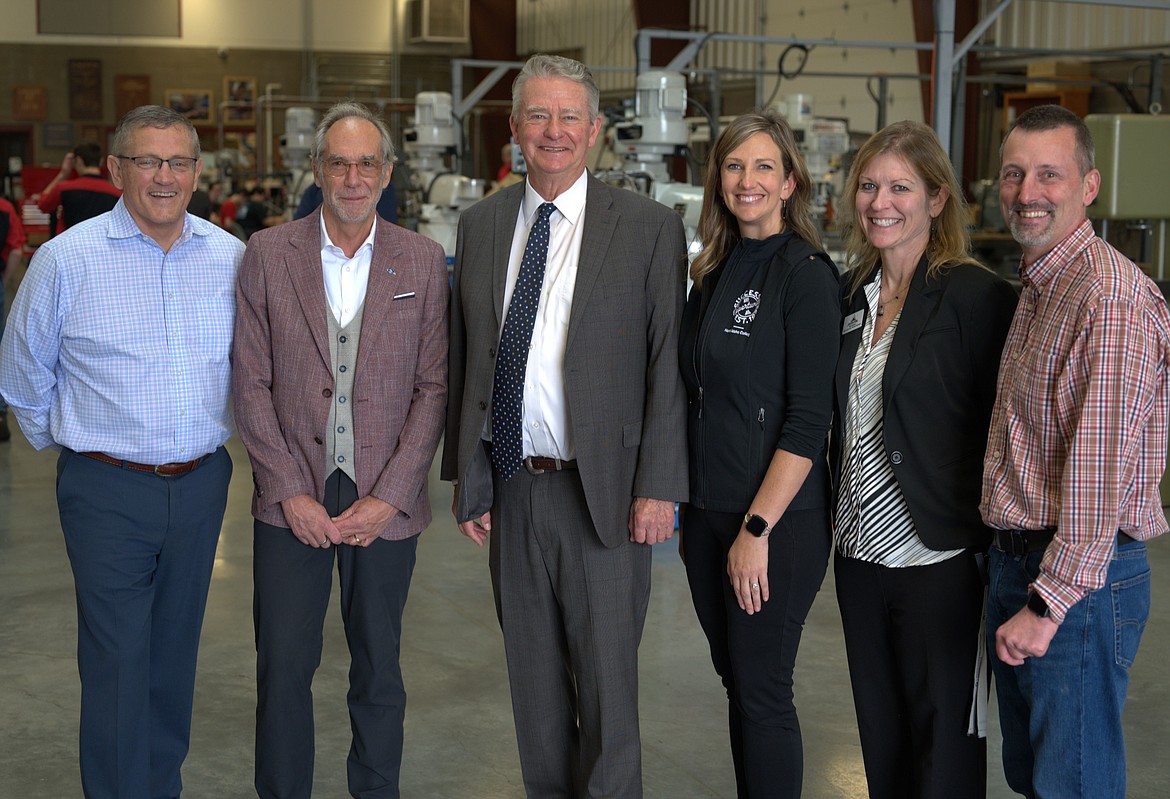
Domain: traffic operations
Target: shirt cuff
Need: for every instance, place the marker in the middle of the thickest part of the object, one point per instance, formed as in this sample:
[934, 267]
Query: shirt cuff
[1059, 597]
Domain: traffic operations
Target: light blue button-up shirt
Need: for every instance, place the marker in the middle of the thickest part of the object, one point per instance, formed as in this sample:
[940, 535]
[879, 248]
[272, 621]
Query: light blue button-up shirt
[115, 346]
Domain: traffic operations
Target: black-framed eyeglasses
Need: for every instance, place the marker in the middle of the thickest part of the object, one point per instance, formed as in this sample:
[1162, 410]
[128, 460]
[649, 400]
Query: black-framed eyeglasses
[148, 163]
[366, 167]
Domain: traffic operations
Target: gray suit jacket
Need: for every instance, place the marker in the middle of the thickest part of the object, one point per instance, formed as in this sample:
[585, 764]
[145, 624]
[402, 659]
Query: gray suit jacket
[282, 378]
[626, 403]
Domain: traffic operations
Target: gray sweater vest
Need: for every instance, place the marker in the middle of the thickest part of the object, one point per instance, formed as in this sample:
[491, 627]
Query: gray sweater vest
[343, 349]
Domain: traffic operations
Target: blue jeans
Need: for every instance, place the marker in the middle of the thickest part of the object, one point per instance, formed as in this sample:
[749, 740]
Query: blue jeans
[1061, 714]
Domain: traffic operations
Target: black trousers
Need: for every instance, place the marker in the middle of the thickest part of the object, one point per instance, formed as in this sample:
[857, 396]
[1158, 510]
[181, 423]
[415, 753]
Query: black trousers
[911, 636]
[291, 595]
[755, 655]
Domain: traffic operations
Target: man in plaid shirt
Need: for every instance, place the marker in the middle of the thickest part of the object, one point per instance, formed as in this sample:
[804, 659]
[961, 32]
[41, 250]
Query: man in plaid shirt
[1077, 446]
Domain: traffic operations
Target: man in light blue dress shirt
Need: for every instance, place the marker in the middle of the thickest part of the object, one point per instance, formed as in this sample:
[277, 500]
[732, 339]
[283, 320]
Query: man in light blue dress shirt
[117, 356]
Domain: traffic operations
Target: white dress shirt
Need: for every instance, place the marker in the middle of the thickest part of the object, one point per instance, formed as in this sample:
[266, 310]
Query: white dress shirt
[547, 432]
[345, 278]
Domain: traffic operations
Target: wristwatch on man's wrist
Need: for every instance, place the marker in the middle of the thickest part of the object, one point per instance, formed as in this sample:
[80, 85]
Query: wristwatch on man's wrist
[757, 525]
[1037, 605]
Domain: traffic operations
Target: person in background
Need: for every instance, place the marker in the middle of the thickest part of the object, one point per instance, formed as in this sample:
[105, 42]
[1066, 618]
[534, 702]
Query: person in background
[81, 197]
[566, 430]
[230, 209]
[216, 198]
[200, 204]
[340, 391]
[116, 356]
[924, 327]
[757, 348]
[12, 239]
[254, 215]
[1070, 480]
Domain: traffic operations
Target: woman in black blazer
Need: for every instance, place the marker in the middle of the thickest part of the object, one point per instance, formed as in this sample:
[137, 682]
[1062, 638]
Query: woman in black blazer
[922, 332]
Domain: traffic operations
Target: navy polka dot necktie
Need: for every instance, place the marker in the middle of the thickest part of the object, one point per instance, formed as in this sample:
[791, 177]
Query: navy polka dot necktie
[512, 355]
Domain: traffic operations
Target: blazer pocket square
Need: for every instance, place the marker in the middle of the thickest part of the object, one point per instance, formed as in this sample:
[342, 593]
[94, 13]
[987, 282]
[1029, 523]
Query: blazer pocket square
[405, 296]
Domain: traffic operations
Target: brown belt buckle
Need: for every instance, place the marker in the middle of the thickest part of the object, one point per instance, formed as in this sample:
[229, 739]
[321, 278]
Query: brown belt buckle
[532, 470]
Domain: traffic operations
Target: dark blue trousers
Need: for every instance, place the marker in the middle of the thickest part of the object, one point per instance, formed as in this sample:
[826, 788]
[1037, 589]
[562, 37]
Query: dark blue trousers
[142, 549]
[292, 585]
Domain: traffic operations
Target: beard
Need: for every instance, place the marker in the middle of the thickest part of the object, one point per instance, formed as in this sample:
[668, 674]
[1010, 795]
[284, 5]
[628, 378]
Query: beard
[350, 214]
[1029, 235]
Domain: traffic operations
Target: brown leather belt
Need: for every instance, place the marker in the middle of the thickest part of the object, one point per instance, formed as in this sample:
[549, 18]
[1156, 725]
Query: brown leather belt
[536, 465]
[162, 470]
[1025, 542]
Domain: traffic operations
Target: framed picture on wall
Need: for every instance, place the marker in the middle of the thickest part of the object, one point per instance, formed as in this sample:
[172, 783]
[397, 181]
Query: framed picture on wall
[239, 94]
[195, 104]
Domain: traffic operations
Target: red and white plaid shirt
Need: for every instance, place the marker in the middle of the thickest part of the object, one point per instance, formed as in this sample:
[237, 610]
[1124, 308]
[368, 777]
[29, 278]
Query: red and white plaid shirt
[1078, 433]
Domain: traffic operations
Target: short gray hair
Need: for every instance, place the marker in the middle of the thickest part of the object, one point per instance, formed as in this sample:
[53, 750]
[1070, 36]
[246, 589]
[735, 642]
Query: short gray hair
[1053, 117]
[543, 65]
[345, 110]
[150, 116]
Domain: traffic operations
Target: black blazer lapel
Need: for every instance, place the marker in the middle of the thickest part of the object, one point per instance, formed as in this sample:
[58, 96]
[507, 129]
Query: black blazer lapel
[921, 302]
[849, 341]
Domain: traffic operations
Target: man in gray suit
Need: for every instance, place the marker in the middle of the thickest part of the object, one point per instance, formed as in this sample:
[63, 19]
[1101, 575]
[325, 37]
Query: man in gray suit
[339, 383]
[566, 430]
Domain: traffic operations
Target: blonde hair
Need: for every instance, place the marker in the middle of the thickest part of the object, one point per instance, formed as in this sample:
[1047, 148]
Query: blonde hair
[919, 147]
[718, 227]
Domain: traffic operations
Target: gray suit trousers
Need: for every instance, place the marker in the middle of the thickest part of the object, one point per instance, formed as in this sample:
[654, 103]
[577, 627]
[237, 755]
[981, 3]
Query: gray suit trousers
[572, 613]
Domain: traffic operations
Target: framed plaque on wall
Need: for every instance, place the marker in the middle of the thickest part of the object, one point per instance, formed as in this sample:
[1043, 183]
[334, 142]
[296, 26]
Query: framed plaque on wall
[130, 91]
[29, 102]
[85, 88]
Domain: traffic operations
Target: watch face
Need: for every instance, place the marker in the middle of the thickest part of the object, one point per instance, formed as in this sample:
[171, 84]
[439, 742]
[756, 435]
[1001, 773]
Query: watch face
[756, 525]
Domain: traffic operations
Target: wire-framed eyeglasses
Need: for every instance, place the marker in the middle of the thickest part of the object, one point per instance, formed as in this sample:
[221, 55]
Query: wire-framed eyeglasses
[366, 167]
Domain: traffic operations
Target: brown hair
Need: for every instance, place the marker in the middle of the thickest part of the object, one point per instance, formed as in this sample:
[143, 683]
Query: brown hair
[718, 227]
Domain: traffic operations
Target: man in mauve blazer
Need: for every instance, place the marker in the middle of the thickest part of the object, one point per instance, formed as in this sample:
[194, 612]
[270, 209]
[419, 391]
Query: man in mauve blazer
[340, 389]
[569, 531]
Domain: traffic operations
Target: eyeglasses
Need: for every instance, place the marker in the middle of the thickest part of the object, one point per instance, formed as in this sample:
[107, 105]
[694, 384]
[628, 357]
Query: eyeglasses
[366, 167]
[148, 163]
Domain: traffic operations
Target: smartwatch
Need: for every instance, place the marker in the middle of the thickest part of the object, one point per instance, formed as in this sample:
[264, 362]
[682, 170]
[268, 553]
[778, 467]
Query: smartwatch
[1037, 605]
[757, 525]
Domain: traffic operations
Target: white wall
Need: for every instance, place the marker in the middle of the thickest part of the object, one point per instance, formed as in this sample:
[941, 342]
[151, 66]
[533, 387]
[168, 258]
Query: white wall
[1069, 26]
[347, 25]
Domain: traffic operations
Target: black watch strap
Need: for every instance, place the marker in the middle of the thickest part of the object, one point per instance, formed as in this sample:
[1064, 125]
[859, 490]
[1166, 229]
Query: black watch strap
[1037, 605]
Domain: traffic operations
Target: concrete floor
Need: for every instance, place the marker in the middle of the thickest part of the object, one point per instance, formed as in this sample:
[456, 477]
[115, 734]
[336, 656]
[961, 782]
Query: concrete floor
[459, 741]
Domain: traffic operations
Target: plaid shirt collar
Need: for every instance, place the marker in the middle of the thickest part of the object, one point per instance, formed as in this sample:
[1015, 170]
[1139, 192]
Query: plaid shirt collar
[1045, 270]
